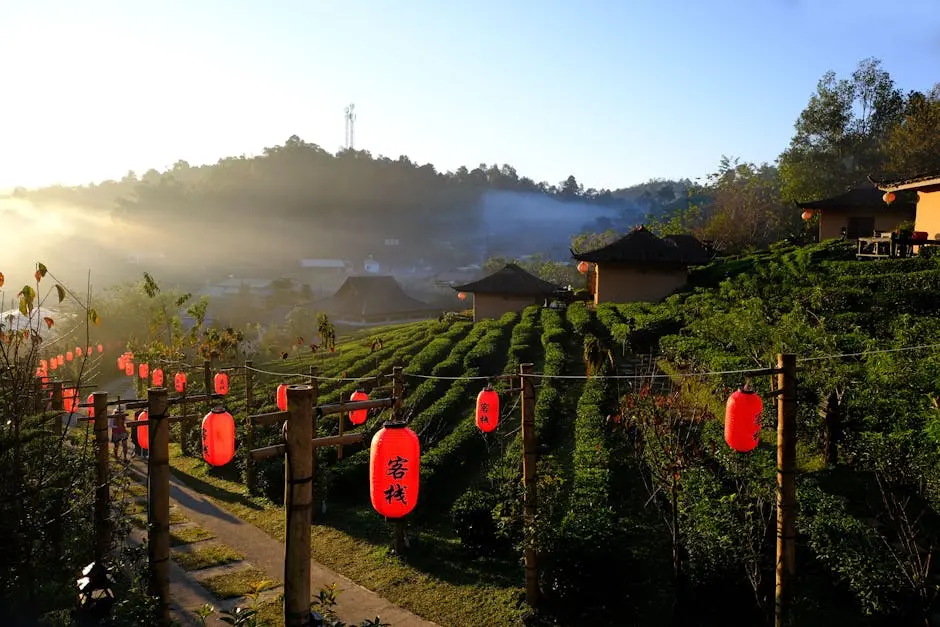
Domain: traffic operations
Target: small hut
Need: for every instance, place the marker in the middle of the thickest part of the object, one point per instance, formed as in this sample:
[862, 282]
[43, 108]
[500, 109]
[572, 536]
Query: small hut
[857, 213]
[364, 300]
[926, 209]
[508, 289]
[641, 267]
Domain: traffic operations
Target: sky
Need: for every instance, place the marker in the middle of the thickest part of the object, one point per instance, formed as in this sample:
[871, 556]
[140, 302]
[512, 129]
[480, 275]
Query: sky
[616, 92]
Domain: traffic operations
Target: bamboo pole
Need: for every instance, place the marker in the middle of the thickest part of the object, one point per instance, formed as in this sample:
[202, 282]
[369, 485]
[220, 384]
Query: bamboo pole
[786, 487]
[158, 488]
[102, 477]
[249, 427]
[530, 481]
[298, 493]
[399, 541]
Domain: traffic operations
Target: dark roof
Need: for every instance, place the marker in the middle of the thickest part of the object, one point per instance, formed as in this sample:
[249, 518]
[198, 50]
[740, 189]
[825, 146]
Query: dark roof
[858, 198]
[640, 246]
[511, 279]
[910, 182]
[368, 295]
[690, 247]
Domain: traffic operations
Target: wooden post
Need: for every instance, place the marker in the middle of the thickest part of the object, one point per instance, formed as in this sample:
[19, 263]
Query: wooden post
[314, 427]
[102, 477]
[399, 541]
[298, 493]
[207, 382]
[342, 428]
[57, 406]
[249, 428]
[786, 486]
[529, 479]
[158, 492]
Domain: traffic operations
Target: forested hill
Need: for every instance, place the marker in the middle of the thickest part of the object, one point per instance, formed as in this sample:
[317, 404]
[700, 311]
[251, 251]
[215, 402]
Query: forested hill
[343, 205]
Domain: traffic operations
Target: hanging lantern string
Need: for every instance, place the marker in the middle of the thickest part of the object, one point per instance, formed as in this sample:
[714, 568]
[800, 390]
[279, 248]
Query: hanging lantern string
[640, 377]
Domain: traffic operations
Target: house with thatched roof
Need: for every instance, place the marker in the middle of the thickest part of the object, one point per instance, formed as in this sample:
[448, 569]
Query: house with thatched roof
[859, 212]
[927, 206]
[368, 299]
[641, 267]
[509, 289]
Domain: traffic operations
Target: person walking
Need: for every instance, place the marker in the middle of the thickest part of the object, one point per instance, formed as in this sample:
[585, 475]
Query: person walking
[118, 432]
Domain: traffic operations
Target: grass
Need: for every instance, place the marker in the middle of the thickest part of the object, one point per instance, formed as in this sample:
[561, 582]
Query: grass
[437, 581]
[187, 535]
[206, 555]
[238, 583]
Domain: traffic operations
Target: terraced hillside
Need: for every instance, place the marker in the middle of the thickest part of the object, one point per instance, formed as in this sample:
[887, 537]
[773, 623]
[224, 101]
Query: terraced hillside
[643, 510]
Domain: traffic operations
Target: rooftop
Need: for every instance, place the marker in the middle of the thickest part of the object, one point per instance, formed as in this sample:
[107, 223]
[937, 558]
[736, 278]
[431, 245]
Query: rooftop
[640, 246]
[857, 198]
[511, 279]
[918, 181]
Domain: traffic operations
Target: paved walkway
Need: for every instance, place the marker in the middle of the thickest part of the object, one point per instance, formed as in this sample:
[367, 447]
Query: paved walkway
[264, 552]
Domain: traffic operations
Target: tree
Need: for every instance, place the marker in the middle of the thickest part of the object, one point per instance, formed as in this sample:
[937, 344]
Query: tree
[912, 145]
[839, 135]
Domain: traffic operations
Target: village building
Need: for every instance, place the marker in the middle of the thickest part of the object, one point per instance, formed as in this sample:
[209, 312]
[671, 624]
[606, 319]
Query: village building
[859, 212]
[927, 207]
[641, 267]
[509, 289]
[364, 300]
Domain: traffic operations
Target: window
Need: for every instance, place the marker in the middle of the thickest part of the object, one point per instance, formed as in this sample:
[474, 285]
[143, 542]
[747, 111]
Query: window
[860, 227]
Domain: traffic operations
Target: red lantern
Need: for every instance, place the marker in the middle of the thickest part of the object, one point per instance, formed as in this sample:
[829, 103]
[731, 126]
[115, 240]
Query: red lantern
[121, 361]
[358, 416]
[742, 420]
[78, 351]
[487, 409]
[143, 431]
[60, 359]
[394, 470]
[68, 356]
[43, 364]
[129, 368]
[143, 371]
[88, 350]
[100, 348]
[888, 198]
[281, 397]
[221, 383]
[40, 372]
[218, 437]
[53, 364]
[179, 382]
[583, 267]
[461, 296]
[68, 399]
[807, 215]
[91, 408]
[158, 377]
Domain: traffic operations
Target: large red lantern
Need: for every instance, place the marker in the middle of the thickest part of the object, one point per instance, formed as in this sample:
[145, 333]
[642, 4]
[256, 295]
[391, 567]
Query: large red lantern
[143, 431]
[61, 359]
[78, 351]
[888, 198]
[68, 356]
[88, 351]
[121, 361]
[143, 371]
[100, 348]
[394, 470]
[158, 377]
[807, 215]
[487, 409]
[179, 382]
[583, 267]
[358, 416]
[218, 437]
[53, 364]
[91, 407]
[129, 368]
[742, 420]
[281, 397]
[221, 383]
[68, 399]
[462, 295]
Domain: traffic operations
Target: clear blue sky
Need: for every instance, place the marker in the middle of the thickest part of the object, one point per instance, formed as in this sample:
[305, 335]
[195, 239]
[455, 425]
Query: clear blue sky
[613, 91]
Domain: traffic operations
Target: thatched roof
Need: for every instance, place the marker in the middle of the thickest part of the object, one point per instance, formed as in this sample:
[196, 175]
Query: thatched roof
[641, 247]
[510, 280]
[370, 295]
[869, 198]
